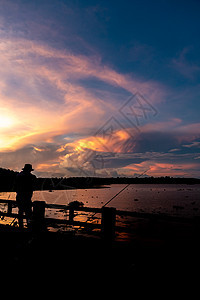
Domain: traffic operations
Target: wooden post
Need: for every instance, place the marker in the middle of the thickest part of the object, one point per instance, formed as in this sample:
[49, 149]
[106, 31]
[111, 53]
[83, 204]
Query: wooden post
[38, 215]
[9, 211]
[108, 223]
[71, 215]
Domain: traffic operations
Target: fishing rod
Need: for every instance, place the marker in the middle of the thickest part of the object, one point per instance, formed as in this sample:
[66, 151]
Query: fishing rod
[116, 195]
[122, 190]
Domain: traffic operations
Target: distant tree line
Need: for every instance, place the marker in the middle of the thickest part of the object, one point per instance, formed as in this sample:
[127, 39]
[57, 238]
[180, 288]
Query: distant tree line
[7, 181]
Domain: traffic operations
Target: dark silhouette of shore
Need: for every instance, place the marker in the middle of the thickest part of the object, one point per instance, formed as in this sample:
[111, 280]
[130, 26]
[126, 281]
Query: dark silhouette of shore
[7, 181]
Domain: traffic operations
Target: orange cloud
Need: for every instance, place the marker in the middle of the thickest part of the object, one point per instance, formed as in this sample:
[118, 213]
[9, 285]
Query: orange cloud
[111, 143]
[44, 167]
[40, 91]
[153, 168]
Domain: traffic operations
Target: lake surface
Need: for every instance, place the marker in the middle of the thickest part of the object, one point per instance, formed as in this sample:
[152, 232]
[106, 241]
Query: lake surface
[183, 200]
[175, 200]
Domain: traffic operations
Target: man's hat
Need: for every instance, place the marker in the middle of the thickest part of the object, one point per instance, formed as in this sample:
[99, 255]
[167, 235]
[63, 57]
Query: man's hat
[28, 167]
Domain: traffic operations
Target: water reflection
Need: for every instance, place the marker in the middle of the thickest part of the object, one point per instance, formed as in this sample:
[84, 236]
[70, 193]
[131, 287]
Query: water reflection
[181, 200]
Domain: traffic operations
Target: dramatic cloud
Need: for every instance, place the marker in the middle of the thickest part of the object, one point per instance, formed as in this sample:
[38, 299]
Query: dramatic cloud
[79, 98]
[44, 102]
[40, 86]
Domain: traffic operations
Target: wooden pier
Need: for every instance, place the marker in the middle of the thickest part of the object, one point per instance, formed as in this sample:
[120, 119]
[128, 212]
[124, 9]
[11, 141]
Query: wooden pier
[107, 226]
[165, 245]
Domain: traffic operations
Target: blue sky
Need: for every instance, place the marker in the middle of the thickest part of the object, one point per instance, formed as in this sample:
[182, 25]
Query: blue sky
[102, 88]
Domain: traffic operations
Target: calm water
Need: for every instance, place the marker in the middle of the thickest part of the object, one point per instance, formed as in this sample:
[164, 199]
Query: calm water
[181, 200]
[178, 200]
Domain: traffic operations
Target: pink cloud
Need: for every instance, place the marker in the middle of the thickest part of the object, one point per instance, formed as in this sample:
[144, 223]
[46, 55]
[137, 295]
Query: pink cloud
[25, 65]
[153, 168]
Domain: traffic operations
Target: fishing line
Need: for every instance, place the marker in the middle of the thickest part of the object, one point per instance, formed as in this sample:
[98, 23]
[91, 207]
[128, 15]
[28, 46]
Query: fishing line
[122, 190]
[115, 195]
[89, 218]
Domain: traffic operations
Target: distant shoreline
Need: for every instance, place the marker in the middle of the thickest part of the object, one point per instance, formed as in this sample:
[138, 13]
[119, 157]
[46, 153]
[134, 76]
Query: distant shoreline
[7, 181]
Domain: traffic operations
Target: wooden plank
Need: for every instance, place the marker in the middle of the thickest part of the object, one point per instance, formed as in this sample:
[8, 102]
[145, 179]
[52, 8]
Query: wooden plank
[89, 209]
[87, 224]
[108, 223]
[7, 201]
[67, 207]
[10, 215]
[57, 206]
[50, 221]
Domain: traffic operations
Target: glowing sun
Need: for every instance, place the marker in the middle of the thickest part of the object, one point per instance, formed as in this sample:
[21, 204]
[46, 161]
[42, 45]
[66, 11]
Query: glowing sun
[5, 122]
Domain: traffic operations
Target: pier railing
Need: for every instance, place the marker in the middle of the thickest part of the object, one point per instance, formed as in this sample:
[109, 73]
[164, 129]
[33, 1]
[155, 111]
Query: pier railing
[107, 225]
[108, 216]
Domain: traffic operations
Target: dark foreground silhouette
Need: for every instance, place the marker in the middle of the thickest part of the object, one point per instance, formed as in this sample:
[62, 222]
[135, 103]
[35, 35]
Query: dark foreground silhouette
[24, 187]
[158, 252]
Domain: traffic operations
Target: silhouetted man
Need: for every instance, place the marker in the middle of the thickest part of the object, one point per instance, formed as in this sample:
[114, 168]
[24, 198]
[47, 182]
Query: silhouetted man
[24, 189]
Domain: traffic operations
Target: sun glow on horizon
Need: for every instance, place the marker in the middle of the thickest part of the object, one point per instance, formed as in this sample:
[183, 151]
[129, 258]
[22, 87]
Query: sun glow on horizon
[6, 122]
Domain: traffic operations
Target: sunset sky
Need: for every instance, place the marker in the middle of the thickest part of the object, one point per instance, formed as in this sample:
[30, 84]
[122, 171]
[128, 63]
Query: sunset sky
[100, 88]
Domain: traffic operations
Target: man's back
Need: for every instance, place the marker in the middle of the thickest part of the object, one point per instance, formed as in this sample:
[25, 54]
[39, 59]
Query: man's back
[25, 182]
[24, 186]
